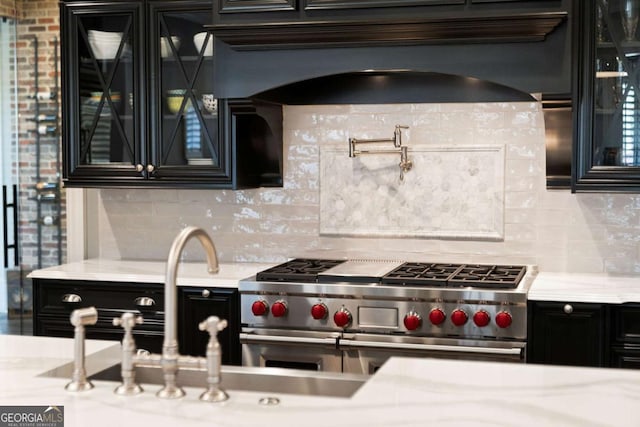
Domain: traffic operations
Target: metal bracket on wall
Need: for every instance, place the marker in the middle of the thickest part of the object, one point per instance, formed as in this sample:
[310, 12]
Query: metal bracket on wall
[5, 210]
[405, 164]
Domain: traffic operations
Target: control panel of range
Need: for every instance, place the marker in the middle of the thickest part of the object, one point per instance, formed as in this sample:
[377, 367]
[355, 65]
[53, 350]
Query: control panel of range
[448, 318]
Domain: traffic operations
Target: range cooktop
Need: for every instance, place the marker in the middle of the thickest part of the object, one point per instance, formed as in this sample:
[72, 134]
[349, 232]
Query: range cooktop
[395, 273]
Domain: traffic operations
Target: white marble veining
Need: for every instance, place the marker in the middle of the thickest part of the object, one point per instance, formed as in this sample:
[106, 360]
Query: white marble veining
[404, 392]
[189, 273]
[451, 192]
[596, 288]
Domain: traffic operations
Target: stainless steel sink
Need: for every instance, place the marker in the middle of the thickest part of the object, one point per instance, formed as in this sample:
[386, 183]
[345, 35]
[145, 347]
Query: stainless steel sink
[270, 380]
[105, 366]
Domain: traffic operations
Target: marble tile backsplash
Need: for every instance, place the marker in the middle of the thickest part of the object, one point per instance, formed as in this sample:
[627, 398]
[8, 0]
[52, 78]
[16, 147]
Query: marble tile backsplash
[557, 230]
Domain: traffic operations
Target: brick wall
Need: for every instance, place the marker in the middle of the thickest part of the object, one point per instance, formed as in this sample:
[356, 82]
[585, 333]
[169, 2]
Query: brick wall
[8, 8]
[37, 19]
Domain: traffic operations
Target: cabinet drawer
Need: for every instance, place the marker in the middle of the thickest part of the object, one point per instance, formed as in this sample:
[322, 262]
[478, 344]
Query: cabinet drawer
[59, 297]
[626, 323]
[627, 357]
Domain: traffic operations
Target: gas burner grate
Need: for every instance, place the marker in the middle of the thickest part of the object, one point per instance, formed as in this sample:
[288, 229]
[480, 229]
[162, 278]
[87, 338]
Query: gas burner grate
[489, 276]
[455, 275]
[297, 270]
[420, 273]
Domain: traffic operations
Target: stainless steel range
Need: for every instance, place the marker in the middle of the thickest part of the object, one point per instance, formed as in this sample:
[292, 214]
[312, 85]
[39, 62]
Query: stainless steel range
[352, 315]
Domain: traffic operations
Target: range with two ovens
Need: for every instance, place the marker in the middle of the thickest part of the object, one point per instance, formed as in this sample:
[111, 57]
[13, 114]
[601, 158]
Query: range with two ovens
[352, 315]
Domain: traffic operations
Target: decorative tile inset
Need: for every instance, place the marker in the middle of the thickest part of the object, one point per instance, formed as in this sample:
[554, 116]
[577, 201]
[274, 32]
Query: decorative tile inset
[451, 192]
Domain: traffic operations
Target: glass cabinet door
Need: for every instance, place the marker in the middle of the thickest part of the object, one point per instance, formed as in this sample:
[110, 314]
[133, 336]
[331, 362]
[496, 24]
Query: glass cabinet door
[100, 90]
[609, 147]
[186, 114]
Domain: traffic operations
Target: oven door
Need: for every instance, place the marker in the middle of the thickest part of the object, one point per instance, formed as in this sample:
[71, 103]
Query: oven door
[365, 353]
[308, 350]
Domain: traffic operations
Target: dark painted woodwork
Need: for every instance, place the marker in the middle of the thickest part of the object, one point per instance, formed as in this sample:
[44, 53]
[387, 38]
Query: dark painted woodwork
[235, 6]
[194, 307]
[587, 177]
[625, 336]
[406, 31]
[111, 299]
[356, 4]
[383, 87]
[148, 121]
[578, 338]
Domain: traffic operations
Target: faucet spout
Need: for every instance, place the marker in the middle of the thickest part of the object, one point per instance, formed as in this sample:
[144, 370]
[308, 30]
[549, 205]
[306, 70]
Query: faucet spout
[170, 351]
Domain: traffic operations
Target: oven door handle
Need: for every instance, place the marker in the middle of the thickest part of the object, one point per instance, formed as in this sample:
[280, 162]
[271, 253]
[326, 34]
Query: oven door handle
[512, 351]
[278, 339]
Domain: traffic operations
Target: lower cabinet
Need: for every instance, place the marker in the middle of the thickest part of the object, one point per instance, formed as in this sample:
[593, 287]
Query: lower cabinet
[195, 304]
[567, 334]
[625, 338]
[54, 300]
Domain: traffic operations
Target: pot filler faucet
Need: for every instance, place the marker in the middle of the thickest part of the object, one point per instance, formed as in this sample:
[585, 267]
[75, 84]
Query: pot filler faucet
[170, 360]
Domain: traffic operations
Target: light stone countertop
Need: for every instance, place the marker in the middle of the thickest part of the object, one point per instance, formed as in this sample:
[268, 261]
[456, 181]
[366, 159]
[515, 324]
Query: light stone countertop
[593, 288]
[189, 274]
[404, 392]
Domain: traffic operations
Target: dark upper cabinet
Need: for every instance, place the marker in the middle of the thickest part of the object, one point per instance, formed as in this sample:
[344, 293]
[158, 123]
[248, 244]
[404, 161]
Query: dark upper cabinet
[607, 113]
[139, 104]
[567, 334]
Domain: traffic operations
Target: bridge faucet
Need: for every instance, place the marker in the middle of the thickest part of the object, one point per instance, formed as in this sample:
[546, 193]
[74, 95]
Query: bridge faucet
[170, 353]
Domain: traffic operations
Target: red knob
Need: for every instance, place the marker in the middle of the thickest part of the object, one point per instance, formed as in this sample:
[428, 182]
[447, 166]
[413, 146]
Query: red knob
[481, 318]
[342, 317]
[459, 317]
[437, 316]
[503, 319]
[319, 311]
[259, 308]
[412, 321]
[279, 309]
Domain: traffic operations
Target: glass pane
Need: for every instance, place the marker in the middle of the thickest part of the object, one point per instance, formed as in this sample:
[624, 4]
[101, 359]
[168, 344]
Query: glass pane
[106, 89]
[189, 107]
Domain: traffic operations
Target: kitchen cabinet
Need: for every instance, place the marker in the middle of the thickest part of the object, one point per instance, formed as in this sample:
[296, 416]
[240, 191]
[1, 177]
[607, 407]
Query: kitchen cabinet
[625, 338]
[567, 334]
[139, 107]
[198, 303]
[606, 85]
[54, 300]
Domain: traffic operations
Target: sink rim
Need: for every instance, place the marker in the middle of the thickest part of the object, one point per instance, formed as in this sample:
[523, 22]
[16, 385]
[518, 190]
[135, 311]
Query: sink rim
[106, 360]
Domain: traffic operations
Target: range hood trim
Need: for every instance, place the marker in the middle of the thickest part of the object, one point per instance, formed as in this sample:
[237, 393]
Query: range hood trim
[523, 27]
[390, 87]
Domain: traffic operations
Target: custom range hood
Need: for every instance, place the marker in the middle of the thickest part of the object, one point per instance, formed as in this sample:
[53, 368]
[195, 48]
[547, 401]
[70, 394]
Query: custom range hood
[322, 46]
[326, 52]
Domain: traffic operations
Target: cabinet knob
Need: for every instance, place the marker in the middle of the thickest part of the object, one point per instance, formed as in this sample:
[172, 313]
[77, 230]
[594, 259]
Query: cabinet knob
[150, 168]
[145, 302]
[139, 168]
[71, 298]
[206, 293]
[568, 308]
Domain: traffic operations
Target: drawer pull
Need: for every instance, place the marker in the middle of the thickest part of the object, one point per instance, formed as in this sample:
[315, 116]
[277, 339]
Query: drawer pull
[145, 302]
[568, 308]
[206, 293]
[71, 298]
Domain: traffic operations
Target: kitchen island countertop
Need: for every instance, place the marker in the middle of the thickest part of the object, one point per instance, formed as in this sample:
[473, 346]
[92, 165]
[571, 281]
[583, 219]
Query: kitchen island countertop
[404, 392]
[189, 273]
